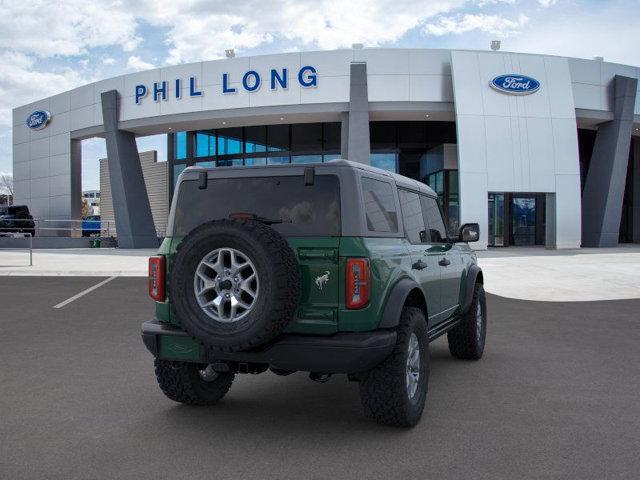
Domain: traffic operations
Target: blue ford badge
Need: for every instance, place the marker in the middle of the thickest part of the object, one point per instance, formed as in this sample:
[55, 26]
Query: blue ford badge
[38, 119]
[515, 84]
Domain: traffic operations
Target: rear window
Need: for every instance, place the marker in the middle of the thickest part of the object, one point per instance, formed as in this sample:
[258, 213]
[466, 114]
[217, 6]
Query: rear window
[19, 210]
[305, 210]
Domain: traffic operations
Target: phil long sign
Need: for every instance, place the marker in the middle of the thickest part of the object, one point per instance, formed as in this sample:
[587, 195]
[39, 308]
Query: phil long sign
[250, 81]
[515, 84]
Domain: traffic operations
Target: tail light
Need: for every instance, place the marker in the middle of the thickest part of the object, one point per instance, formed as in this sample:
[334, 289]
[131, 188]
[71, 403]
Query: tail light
[358, 284]
[156, 278]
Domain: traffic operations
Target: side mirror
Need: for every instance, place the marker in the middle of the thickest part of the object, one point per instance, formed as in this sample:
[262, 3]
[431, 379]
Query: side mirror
[469, 232]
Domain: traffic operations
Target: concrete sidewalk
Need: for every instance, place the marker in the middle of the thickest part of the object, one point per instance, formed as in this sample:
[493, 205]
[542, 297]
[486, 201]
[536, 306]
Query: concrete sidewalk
[585, 274]
[86, 262]
[521, 273]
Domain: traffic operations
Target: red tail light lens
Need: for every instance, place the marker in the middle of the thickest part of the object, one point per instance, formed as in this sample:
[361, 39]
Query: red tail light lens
[156, 278]
[358, 283]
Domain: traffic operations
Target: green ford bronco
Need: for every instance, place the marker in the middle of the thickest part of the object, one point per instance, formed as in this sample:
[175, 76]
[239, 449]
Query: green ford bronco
[322, 268]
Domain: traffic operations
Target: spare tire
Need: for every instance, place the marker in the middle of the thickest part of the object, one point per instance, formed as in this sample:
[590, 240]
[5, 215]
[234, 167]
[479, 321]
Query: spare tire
[234, 284]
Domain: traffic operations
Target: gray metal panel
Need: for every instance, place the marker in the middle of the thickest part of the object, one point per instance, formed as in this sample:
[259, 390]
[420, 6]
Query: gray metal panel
[157, 183]
[134, 222]
[344, 135]
[636, 190]
[359, 147]
[604, 187]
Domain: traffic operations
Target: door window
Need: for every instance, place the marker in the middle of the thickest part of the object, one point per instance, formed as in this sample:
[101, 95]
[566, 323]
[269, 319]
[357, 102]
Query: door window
[412, 216]
[379, 205]
[523, 220]
[433, 220]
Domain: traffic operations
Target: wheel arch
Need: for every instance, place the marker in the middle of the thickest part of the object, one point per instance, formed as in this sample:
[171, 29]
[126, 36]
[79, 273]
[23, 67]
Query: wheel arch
[473, 276]
[406, 292]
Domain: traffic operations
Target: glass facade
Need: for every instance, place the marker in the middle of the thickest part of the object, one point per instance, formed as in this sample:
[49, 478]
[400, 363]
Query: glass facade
[396, 146]
[256, 145]
[445, 184]
[402, 147]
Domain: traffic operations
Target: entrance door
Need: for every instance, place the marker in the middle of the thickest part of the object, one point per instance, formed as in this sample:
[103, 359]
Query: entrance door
[523, 220]
[496, 220]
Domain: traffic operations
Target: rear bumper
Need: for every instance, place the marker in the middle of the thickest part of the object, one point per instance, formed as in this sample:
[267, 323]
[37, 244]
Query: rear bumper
[339, 353]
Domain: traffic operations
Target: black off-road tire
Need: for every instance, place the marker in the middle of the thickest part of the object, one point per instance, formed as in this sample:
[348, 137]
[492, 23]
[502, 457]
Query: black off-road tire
[466, 340]
[181, 382]
[383, 390]
[278, 272]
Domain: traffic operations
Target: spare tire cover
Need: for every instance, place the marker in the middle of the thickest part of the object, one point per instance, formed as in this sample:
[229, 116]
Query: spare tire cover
[234, 284]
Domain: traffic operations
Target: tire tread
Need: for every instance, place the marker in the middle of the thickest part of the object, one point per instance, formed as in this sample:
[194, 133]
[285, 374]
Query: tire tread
[177, 383]
[462, 340]
[383, 389]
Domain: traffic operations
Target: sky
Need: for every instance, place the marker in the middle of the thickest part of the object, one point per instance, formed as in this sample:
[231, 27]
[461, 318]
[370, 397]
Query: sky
[48, 47]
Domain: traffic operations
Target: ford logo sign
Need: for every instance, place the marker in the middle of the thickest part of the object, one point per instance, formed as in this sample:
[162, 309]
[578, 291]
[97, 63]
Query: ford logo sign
[515, 84]
[38, 119]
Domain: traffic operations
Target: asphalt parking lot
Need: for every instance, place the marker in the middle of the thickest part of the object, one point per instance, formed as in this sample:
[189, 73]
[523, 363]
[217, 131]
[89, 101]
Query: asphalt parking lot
[556, 396]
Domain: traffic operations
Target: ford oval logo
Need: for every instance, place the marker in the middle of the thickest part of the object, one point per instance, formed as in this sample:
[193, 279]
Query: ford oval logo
[38, 119]
[515, 84]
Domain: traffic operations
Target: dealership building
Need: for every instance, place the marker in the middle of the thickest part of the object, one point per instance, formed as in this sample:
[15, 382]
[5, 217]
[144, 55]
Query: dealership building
[538, 149]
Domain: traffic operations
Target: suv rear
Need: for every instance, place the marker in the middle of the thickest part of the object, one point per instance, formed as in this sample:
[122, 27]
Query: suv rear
[327, 268]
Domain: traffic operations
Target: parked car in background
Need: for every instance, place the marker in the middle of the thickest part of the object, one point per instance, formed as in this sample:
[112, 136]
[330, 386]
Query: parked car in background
[17, 219]
[91, 225]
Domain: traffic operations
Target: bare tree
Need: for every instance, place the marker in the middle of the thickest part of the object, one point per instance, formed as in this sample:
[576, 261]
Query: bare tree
[86, 208]
[6, 186]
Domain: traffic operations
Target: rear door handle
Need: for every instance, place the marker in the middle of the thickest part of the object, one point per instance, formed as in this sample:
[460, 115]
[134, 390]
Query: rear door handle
[419, 265]
[444, 262]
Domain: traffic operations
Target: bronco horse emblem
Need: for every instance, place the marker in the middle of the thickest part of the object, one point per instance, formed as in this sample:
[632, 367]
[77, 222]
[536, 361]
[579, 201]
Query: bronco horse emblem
[321, 280]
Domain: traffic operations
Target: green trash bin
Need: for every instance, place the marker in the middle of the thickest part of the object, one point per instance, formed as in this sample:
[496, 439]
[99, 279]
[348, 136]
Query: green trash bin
[95, 243]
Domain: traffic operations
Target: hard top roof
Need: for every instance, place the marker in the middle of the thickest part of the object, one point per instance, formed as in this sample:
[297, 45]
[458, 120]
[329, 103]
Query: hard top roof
[400, 180]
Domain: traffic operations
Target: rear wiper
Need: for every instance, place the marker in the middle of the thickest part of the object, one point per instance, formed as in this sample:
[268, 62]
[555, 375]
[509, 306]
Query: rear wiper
[256, 218]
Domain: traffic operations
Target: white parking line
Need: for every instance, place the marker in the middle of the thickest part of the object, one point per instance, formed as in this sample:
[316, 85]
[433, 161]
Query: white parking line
[83, 293]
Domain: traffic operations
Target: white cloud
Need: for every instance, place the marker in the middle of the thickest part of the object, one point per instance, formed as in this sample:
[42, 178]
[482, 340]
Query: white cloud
[108, 61]
[491, 24]
[21, 83]
[547, 3]
[71, 27]
[587, 37]
[136, 63]
[325, 24]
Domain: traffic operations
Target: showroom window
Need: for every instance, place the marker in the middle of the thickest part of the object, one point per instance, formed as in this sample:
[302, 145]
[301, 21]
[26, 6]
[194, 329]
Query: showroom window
[255, 145]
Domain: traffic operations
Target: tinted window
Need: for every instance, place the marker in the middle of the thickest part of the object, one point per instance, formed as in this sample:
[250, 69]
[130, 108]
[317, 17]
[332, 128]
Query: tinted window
[306, 137]
[305, 210]
[385, 161]
[19, 210]
[380, 207]
[433, 219]
[229, 141]
[205, 144]
[412, 216]
[278, 138]
[255, 139]
[332, 136]
[180, 146]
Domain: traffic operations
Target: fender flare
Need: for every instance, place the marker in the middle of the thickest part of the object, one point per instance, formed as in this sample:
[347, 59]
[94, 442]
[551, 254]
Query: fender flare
[395, 302]
[472, 277]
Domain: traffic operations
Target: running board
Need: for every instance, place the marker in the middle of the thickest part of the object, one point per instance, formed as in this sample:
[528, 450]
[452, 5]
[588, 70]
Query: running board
[442, 328]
